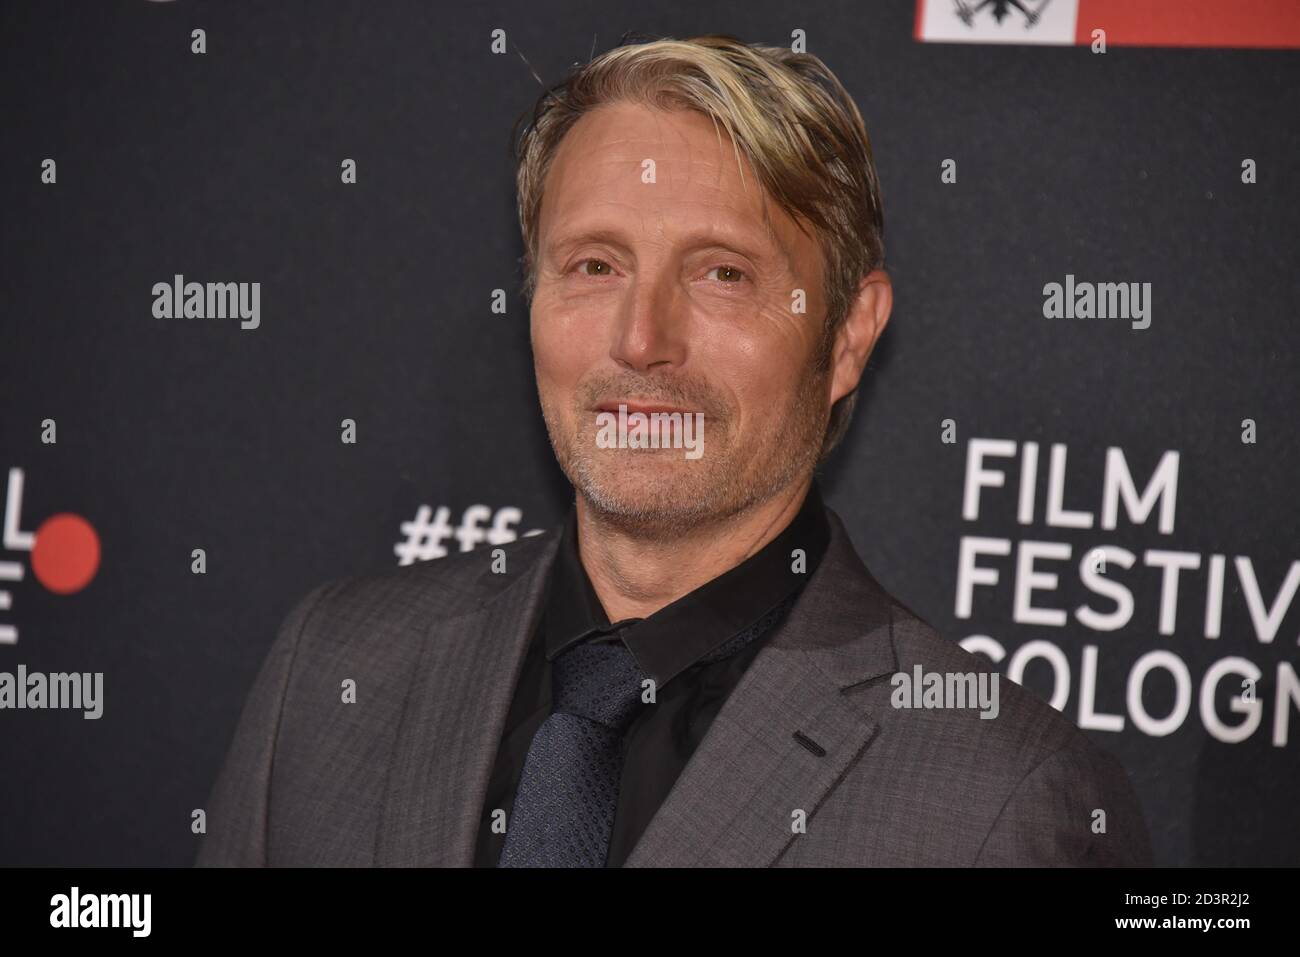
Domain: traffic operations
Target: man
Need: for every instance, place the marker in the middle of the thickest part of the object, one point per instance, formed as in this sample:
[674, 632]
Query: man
[696, 668]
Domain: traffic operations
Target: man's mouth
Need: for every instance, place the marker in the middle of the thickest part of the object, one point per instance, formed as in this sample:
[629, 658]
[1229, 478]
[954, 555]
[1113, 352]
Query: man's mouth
[643, 407]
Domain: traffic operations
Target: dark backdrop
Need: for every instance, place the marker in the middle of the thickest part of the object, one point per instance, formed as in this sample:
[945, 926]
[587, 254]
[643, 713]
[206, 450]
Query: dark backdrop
[376, 300]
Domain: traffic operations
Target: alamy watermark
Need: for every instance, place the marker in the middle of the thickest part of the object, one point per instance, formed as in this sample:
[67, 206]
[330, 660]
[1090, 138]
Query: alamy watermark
[1102, 300]
[129, 911]
[36, 690]
[651, 430]
[179, 299]
[947, 689]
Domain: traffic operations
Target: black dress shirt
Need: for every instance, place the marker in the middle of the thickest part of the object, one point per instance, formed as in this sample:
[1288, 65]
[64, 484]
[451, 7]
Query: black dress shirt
[667, 647]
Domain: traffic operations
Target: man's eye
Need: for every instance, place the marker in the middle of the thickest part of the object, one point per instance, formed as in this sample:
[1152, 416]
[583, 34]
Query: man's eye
[727, 274]
[598, 263]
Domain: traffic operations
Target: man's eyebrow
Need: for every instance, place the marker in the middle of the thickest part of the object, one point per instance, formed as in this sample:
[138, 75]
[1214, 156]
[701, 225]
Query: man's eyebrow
[566, 239]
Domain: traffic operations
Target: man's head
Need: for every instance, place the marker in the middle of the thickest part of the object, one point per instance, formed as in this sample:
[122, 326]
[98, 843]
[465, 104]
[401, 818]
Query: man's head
[702, 231]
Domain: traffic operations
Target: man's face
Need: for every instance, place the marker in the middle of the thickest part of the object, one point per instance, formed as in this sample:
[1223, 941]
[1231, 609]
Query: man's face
[666, 281]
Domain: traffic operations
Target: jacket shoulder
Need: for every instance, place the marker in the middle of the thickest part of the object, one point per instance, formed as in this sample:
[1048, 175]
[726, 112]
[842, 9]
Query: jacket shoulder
[376, 622]
[438, 588]
[1038, 779]
[1024, 724]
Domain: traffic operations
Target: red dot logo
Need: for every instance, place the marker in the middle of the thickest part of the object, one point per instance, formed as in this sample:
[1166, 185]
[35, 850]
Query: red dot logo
[65, 553]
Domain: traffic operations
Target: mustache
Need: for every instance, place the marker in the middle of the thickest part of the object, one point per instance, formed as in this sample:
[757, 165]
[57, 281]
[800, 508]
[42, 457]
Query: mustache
[690, 394]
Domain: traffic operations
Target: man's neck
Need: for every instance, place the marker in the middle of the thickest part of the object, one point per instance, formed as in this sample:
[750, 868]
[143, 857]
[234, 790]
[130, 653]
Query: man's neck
[634, 577]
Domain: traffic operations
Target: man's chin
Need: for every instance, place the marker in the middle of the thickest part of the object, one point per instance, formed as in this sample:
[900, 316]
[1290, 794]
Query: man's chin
[648, 487]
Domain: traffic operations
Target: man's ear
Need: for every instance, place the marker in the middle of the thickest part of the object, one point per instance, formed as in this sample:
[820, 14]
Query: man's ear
[862, 327]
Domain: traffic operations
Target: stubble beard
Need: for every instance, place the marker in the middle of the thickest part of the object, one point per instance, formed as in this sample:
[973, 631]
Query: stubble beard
[660, 495]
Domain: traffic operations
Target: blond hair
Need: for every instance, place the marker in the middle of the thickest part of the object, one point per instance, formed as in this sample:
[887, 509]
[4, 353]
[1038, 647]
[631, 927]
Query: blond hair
[785, 112]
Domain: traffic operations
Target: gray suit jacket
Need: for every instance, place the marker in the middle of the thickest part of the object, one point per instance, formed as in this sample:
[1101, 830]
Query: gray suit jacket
[398, 777]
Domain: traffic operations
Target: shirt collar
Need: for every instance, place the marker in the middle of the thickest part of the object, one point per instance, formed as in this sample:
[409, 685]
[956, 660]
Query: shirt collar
[672, 639]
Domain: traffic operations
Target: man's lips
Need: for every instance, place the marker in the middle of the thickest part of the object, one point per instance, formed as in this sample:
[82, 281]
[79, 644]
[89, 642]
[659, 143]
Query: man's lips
[643, 407]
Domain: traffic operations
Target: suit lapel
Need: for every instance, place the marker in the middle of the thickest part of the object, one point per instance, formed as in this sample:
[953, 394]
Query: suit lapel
[734, 803]
[451, 726]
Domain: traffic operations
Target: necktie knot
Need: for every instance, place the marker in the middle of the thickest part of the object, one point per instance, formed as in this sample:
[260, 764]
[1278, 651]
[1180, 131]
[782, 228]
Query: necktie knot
[598, 680]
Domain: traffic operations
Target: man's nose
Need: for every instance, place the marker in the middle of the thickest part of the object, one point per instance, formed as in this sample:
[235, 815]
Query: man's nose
[650, 327]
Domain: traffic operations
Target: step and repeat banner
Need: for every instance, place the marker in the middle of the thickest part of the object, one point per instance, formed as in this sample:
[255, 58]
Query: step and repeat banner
[263, 327]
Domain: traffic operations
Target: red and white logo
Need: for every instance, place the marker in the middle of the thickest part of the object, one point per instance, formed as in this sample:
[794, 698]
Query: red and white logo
[1141, 23]
[64, 552]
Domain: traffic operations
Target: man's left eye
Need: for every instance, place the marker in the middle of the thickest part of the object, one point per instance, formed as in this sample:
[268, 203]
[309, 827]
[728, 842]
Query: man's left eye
[727, 274]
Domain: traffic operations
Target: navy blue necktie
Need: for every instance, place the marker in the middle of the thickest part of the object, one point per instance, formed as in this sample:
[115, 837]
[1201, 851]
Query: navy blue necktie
[567, 796]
